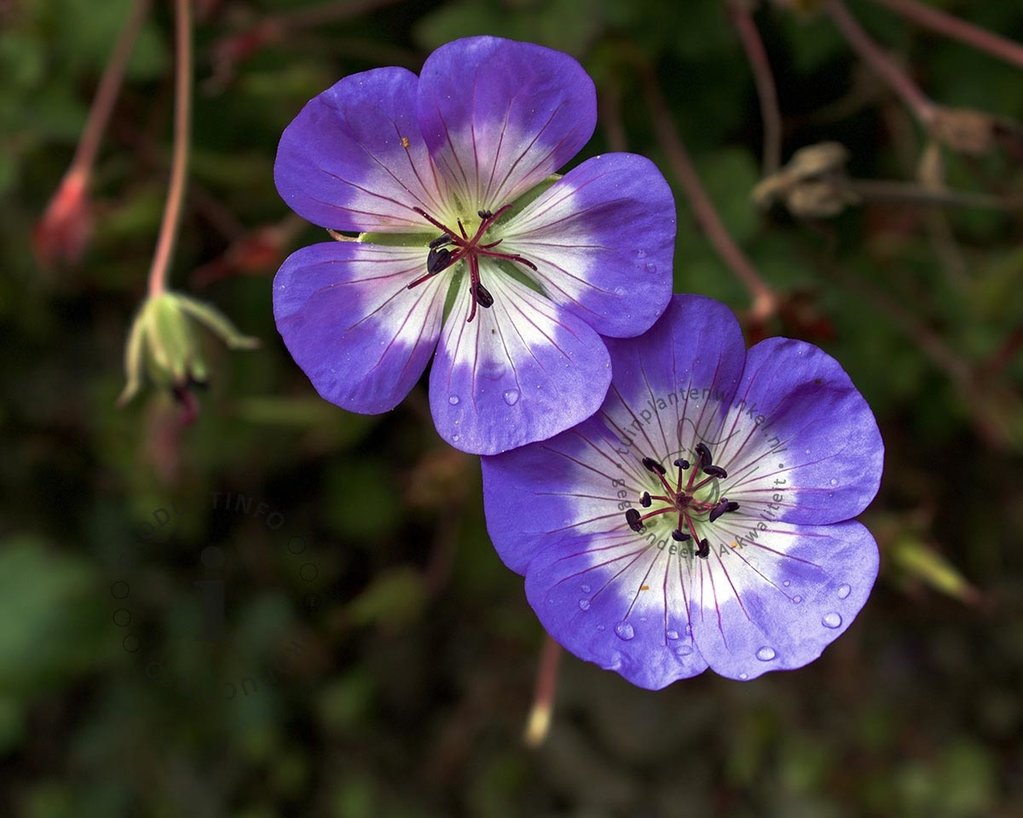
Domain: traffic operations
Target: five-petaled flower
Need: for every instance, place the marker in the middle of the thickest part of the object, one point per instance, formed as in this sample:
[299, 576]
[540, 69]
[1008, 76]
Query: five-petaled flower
[702, 518]
[468, 244]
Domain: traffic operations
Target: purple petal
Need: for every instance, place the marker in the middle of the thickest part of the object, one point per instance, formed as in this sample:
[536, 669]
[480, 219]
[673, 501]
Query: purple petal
[571, 485]
[776, 602]
[522, 370]
[602, 239]
[615, 600]
[500, 115]
[672, 382]
[803, 444]
[354, 157]
[349, 321]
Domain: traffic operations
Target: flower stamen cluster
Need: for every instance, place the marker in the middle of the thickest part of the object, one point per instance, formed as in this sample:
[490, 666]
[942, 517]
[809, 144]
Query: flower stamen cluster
[683, 501]
[441, 258]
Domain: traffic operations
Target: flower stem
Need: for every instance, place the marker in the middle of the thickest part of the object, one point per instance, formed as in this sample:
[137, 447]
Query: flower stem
[764, 300]
[956, 29]
[742, 19]
[179, 162]
[922, 107]
[108, 90]
[539, 723]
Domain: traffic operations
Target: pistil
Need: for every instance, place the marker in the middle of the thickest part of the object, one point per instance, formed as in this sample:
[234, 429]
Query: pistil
[441, 257]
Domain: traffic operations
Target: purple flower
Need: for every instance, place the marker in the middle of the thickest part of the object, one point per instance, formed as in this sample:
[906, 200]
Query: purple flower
[469, 246]
[702, 517]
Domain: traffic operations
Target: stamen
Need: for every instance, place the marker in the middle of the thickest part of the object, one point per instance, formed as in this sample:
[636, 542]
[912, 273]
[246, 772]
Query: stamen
[682, 463]
[715, 471]
[652, 465]
[678, 535]
[704, 453]
[485, 214]
[723, 507]
[440, 241]
[645, 500]
[437, 260]
[704, 550]
[632, 518]
[483, 296]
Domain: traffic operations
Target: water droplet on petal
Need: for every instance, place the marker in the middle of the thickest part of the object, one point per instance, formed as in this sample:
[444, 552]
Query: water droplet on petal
[832, 620]
[834, 482]
[584, 604]
[683, 650]
[511, 396]
[601, 628]
[744, 676]
[650, 267]
[671, 634]
[453, 400]
[584, 588]
[797, 599]
[455, 438]
[623, 630]
[641, 253]
[786, 583]
[844, 591]
[766, 654]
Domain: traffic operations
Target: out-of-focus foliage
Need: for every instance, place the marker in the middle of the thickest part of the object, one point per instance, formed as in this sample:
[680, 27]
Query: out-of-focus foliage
[284, 609]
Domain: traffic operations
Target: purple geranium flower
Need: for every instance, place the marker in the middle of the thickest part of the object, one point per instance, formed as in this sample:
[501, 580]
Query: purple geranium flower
[702, 517]
[468, 240]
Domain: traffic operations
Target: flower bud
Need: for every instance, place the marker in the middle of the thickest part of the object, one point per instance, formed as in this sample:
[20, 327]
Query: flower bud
[163, 348]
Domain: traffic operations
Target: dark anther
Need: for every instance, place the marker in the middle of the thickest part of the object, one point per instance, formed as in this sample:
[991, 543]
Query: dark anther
[704, 453]
[678, 535]
[704, 549]
[484, 214]
[645, 500]
[682, 463]
[632, 518]
[652, 465]
[723, 507]
[438, 259]
[440, 241]
[483, 296]
[715, 471]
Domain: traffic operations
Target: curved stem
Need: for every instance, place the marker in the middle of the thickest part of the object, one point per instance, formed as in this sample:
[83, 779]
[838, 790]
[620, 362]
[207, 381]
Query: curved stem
[182, 137]
[956, 29]
[922, 107]
[108, 90]
[763, 78]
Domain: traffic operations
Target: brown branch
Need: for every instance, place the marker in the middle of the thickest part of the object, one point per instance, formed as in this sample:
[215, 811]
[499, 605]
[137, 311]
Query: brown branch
[742, 18]
[765, 302]
[919, 103]
[956, 29]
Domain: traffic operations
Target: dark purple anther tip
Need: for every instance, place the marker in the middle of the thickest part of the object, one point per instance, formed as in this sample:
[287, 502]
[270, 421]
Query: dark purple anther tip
[704, 454]
[652, 465]
[645, 500]
[704, 550]
[679, 536]
[437, 260]
[483, 296]
[715, 471]
[632, 518]
[682, 463]
[441, 240]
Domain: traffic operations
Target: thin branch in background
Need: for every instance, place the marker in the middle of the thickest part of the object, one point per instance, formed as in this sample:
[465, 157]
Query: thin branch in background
[610, 107]
[765, 302]
[956, 29]
[741, 16]
[923, 108]
[182, 138]
[539, 723]
[64, 229]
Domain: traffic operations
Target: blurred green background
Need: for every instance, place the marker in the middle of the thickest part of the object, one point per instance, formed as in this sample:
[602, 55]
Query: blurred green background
[375, 658]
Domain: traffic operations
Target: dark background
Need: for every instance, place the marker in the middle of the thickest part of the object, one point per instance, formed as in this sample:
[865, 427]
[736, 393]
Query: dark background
[375, 657]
